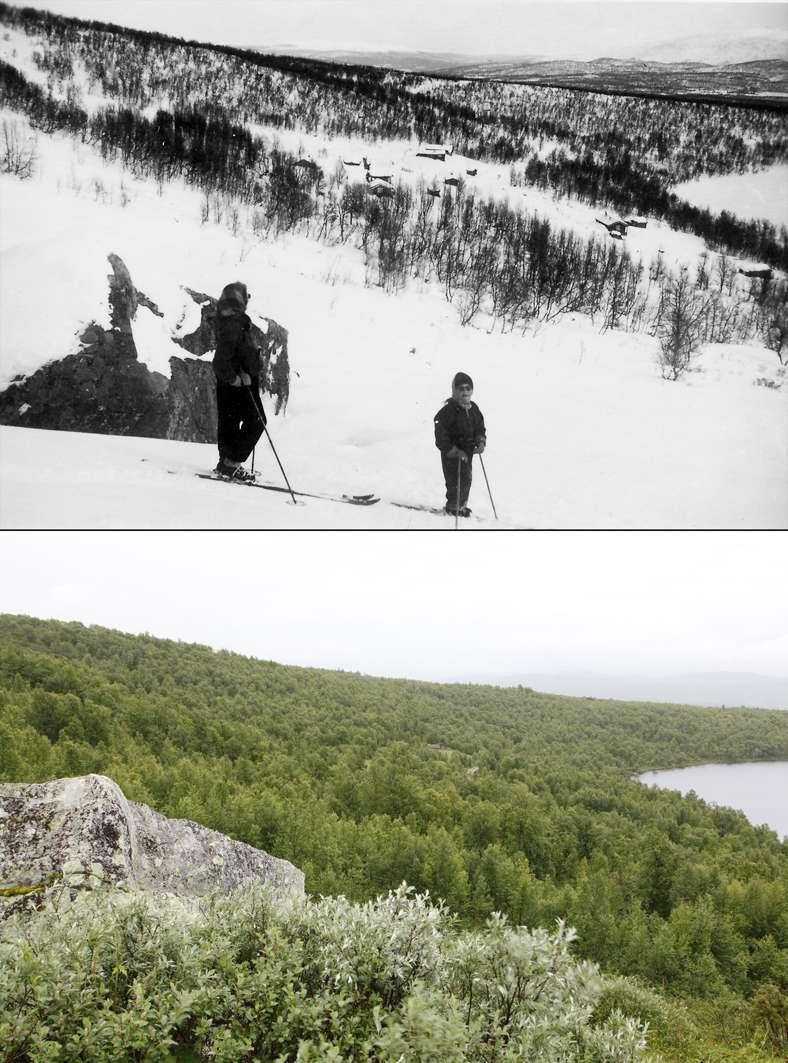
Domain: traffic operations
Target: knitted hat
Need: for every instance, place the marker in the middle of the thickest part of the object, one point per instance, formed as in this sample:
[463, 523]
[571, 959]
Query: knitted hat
[235, 294]
[461, 378]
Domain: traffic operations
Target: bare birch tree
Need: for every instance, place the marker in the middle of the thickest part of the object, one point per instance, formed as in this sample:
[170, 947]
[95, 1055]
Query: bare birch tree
[681, 328]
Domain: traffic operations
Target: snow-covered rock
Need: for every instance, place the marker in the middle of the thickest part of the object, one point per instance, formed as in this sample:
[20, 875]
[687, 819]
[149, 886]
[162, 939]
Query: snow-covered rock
[82, 833]
[104, 386]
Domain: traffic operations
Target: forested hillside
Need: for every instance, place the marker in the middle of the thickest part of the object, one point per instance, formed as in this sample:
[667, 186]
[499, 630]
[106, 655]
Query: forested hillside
[489, 798]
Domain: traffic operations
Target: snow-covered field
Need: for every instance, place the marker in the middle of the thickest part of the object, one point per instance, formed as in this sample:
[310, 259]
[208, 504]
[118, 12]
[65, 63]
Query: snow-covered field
[749, 195]
[582, 430]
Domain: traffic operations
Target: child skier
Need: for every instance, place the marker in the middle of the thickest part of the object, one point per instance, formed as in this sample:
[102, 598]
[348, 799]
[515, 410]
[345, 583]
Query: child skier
[459, 434]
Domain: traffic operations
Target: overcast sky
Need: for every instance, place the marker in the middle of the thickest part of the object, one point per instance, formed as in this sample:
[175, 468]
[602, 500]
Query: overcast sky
[432, 606]
[585, 29]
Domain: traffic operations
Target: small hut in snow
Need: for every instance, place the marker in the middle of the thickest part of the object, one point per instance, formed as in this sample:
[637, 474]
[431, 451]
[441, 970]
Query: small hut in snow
[435, 151]
[617, 228]
[761, 271]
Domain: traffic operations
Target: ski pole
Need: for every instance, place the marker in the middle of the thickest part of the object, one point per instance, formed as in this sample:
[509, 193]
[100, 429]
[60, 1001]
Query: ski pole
[457, 501]
[489, 492]
[255, 403]
[289, 488]
[265, 429]
[254, 448]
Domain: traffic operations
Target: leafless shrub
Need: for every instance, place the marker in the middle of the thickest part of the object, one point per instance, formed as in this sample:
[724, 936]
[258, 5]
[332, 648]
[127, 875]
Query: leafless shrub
[702, 272]
[18, 154]
[773, 321]
[721, 319]
[726, 274]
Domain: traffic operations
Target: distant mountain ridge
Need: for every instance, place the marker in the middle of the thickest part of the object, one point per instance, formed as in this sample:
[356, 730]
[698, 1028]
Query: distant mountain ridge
[396, 60]
[755, 73]
[721, 50]
[690, 53]
[692, 688]
[520, 68]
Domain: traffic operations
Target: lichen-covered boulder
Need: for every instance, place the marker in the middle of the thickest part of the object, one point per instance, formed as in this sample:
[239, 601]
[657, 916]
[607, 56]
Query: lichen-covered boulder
[82, 833]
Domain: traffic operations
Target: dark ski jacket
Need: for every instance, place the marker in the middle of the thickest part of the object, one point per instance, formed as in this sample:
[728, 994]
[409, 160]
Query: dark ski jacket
[457, 427]
[236, 351]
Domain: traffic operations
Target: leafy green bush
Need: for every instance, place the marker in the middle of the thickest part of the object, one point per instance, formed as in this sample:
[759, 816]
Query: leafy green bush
[769, 1007]
[110, 977]
[670, 1026]
[722, 1030]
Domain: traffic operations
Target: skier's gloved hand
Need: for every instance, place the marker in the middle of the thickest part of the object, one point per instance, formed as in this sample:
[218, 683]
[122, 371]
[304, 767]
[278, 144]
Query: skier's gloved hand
[246, 380]
[455, 452]
[480, 445]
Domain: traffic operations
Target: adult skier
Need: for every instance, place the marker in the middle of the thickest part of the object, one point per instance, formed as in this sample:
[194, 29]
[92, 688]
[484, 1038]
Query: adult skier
[236, 365]
[459, 434]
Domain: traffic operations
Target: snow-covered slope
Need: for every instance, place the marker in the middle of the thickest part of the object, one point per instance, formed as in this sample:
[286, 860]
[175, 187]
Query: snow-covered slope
[59, 480]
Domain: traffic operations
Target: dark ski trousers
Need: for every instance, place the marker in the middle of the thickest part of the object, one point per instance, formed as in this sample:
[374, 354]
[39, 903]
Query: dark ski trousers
[450, 476]
[239, 425]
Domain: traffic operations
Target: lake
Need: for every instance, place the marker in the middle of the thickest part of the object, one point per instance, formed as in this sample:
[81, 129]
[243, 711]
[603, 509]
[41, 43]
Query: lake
[750, 195]
[759, 790]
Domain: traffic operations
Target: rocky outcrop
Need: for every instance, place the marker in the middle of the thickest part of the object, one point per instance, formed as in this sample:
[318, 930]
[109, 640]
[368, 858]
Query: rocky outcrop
[105, 387]
[123, 300]
[191, 401]
[82, 833]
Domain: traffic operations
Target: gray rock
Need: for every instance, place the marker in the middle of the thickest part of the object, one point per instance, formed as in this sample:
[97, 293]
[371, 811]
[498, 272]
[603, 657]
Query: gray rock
[82, 833]
[123, 299]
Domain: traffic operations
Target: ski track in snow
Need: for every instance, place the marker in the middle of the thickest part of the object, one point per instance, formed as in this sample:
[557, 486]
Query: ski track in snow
[583, 432]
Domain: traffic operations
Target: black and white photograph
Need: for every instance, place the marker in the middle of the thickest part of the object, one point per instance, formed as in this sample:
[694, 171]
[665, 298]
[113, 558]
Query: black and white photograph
[479, 265]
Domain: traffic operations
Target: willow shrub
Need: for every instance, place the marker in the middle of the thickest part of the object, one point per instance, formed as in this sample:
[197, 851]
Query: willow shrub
[110, 977]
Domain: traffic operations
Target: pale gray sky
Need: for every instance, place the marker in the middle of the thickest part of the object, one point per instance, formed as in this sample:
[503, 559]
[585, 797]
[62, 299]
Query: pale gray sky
[582, 29]
[431, 606]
